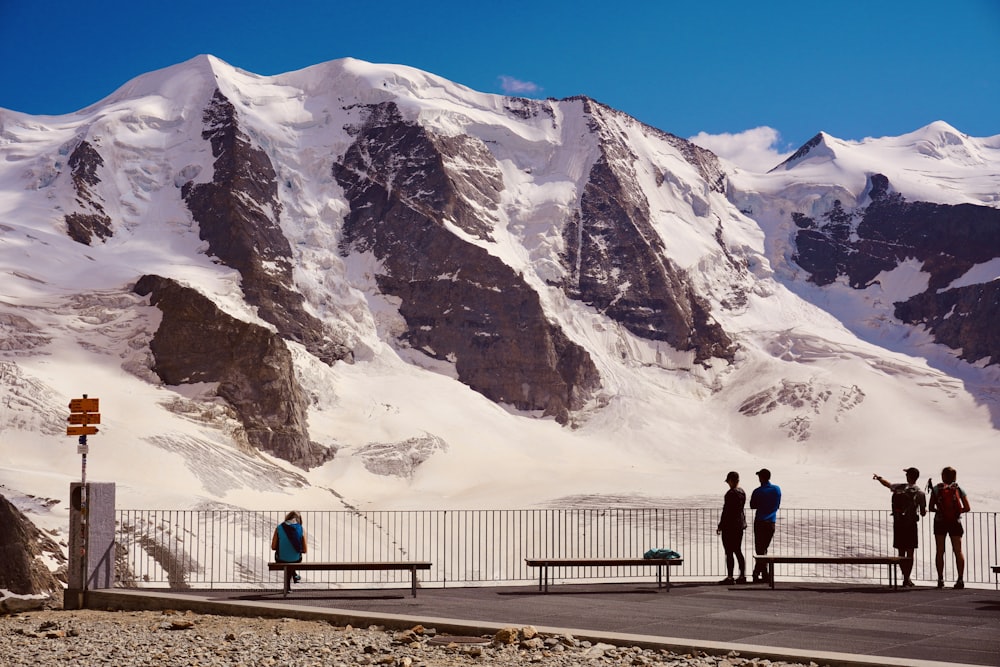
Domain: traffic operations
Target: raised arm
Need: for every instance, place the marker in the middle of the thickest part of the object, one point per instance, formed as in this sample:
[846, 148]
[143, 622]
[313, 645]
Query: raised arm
[883, 481]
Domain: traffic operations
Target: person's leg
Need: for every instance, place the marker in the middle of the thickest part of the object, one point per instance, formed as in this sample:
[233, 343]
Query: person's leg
[730, 562]
[763, 532]
[956, 546]
[758, 547]
[939, 556]
[906, 568]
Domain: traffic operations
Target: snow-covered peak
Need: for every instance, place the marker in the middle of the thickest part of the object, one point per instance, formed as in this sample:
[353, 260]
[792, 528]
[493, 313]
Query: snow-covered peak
[936, 163]
[821, 148]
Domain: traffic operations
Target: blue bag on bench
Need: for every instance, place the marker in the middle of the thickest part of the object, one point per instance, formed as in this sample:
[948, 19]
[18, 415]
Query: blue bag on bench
[661, 553]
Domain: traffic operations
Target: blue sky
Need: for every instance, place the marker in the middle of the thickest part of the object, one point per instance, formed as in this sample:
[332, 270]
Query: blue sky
[852, 68]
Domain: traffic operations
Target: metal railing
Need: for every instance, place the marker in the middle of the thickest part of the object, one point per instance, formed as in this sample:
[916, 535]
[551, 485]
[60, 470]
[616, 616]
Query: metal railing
[231, 548]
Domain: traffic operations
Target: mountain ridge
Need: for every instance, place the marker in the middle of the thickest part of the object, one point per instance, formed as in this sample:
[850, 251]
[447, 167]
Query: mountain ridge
[579, 285]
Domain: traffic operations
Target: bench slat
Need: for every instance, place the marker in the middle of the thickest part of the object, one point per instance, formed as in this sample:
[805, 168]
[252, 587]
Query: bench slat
[411, 566]
[597, 562]
[837, 560]
[891, 561]
[546, 563]
[373, 565]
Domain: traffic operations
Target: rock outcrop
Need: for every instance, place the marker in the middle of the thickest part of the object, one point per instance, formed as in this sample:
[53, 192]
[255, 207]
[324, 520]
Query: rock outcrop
[947, 240]
[237, 214]
[197, 342]
[615, 260]
[91, 220]
[23, 551]
[461, 304]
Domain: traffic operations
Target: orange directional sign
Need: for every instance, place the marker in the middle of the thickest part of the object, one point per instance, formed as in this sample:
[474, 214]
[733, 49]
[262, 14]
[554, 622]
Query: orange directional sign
[83, 411]
[84, 418]
[85, 405]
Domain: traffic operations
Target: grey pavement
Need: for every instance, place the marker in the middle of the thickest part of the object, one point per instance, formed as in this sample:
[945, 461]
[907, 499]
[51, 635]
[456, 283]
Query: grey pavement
[829, 623]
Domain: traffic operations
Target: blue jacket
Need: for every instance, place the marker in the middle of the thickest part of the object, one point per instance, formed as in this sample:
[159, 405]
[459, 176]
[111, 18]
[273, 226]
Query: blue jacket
[287, 551]
[766, 499]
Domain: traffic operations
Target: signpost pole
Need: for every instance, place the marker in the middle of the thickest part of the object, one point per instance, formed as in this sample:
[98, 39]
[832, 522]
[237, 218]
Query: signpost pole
[84, 413]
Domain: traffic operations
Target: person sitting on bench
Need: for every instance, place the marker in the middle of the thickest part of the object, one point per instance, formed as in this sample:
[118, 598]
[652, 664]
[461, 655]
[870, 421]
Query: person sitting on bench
[289, 541]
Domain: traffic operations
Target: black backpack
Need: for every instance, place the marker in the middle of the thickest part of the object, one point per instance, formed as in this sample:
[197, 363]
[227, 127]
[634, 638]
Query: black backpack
[904, 502]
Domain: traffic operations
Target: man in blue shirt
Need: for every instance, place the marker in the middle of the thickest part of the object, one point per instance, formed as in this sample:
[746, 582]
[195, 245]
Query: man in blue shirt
[766, 499]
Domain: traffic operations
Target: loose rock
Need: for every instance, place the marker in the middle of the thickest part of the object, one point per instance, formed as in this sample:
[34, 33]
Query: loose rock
[51, 638]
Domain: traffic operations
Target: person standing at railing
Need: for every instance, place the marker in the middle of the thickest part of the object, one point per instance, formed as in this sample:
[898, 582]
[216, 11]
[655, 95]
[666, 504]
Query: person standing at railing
[732, 523]
[948, 502]
[289, 541]
[908, 504]
[766, 499]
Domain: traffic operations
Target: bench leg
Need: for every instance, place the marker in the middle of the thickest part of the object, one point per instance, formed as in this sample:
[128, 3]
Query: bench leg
[770, 573]
[413, 582]
[288, 580]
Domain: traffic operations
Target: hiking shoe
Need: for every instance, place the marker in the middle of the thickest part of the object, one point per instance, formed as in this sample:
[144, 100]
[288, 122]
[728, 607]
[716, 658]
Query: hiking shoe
[959, 584]
[908, 584]
[296, 578]
[728, 581]
[940, 583]
[741, 579]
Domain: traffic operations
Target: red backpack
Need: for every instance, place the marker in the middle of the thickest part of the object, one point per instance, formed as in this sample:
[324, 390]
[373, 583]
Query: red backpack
[949, 501]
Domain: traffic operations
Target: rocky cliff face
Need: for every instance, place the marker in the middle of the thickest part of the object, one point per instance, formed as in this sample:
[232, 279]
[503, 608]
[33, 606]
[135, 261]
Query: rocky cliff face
[23, 550]
[237, 214]
[90, 220]
[197, 342]
[615, 260]
[461, 304]
[947, 240]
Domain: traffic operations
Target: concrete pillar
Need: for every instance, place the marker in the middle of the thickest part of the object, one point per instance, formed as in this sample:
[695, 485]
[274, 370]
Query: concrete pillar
[91, 541]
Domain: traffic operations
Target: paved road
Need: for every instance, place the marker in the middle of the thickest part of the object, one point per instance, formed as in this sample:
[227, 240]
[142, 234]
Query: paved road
[829, 623]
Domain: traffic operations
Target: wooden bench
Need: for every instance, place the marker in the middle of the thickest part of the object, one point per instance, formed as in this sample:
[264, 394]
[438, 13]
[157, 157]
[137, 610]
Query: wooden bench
[891, 561]
[996, 573]
[662, 565]
[412, 566]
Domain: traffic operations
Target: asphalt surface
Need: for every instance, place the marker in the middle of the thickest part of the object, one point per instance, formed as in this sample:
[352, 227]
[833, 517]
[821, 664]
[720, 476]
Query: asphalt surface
[828, 623]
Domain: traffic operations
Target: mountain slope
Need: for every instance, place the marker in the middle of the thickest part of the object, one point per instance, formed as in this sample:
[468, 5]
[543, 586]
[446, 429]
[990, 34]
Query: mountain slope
[365, 284]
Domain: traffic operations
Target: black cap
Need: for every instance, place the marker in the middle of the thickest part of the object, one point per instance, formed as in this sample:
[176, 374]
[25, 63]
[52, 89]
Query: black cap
[764, 472]
[911, 472]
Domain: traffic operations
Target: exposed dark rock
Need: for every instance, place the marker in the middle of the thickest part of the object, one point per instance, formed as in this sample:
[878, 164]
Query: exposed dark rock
[83, 226]
[197, 342]
[23, 550]
[964, 318]
[948, 240]
[615, 260]
[460, 303]
[237, 214]
[802, 152]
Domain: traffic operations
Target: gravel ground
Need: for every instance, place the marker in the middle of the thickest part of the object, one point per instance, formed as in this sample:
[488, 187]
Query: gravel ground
[86, 637]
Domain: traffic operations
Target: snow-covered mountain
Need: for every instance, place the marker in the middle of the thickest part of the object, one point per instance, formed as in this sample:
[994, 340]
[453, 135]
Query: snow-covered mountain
[363, 285]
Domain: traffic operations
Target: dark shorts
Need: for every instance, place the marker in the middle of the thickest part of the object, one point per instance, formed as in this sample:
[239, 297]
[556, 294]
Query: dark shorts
[732, 539]
[904, 534]
[953, 527]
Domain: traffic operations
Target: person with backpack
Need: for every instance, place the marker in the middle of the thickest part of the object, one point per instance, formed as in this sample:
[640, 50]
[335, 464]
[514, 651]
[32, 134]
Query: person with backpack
[908, 504]
[289, 541]
[949, 502]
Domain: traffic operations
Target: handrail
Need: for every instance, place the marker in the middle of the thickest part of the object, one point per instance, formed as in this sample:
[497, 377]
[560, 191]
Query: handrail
[230, 548]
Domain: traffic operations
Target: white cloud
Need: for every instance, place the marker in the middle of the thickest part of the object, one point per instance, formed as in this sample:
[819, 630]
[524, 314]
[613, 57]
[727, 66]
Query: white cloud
[755, 150]
[514, 86]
